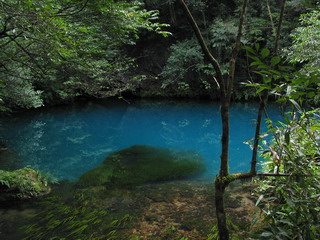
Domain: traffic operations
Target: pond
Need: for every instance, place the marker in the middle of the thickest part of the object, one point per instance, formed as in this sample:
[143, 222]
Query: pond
[67, 141]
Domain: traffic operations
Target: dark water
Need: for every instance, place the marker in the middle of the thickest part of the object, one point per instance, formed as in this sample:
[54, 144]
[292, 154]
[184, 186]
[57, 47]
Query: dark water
[67, 141]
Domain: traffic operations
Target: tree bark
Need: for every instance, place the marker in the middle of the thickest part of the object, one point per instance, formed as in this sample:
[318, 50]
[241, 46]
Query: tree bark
[263, 103]
[220, 187]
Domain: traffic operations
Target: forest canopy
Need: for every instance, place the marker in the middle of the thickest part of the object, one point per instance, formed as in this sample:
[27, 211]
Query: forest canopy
[55, 50]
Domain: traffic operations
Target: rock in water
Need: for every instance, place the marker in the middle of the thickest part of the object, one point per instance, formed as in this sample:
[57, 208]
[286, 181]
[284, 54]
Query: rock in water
[141, 164]
[22, 184]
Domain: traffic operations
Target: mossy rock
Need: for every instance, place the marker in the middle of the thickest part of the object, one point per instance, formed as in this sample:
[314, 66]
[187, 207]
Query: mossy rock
[141, 164]
[22, 184]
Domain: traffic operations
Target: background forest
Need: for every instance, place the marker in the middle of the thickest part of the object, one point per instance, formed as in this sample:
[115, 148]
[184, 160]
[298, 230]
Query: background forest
[54, 51]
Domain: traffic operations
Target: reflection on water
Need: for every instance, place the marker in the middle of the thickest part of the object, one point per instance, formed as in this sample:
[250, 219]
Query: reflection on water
[67, 141]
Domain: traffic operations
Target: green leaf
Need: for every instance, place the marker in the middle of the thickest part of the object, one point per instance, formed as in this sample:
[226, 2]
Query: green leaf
[275, 60]
[311, 95]
[267, 80]
[265, 52]
[266, 234]
[249, 49]
[252, 84]
[254, 58]
[275, 72]
[259, 200]
[263, 66]
[262, 89]
[260, 73]
[255, 63]
[257, 46]
[296, 105]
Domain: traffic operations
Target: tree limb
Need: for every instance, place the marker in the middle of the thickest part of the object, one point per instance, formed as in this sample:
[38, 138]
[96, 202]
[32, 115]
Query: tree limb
[204, 47]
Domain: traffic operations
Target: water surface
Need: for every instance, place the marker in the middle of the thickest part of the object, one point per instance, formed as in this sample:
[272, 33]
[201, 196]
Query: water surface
[67, 141]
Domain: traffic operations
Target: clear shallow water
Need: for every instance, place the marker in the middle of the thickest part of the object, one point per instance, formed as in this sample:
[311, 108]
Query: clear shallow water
[67, 141]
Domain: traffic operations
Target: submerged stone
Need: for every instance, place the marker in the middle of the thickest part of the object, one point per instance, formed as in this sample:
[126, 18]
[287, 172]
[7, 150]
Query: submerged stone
[22, 184]
[141, 164]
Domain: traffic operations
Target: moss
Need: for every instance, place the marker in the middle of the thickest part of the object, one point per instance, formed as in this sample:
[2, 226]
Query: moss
[140, 164]
[22, 184]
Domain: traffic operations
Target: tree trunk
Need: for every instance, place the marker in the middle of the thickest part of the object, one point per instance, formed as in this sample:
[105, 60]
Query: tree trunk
[226, 88]
[264, 99]
[263, 103]
[220, 187]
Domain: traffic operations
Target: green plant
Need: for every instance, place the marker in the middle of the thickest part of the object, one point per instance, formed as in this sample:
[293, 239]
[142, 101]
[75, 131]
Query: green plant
[61, 220]
[214, 233]
[291, 203]
[22, 184]
[57, 50]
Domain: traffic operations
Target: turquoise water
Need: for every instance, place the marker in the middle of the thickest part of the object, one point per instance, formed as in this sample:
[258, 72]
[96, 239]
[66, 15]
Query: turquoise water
[67, 141]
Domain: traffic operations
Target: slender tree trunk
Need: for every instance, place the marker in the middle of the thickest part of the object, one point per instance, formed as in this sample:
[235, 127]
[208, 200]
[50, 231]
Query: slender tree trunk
[226, 88]
[263, 103]
[264, 99]
[221, 182]
[276, 42]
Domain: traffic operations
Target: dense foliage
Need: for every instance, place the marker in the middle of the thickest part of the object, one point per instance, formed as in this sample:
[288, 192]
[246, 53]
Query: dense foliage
[305, 85]
[55, 50]
[291, 203]
[180, 65]
[22, 184]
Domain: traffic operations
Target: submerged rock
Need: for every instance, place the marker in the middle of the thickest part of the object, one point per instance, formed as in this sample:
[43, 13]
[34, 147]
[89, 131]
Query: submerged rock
[141, 164]
[22, 184]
